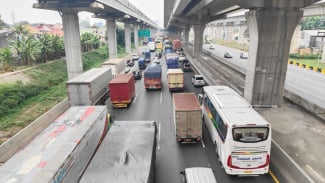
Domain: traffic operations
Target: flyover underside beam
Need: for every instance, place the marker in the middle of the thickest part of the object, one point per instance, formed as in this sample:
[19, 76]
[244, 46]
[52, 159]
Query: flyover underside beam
[270, 36]
[72, 44]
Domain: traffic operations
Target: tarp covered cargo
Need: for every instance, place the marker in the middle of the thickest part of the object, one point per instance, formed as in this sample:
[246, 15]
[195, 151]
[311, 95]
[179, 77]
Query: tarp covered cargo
[62, 151]
[153, 71]
[127, 154]
[90, 87]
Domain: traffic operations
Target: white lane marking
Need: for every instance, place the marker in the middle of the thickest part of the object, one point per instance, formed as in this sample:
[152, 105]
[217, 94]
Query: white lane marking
[159, 131]
[136, 96]
[160, 96]
[202, 143]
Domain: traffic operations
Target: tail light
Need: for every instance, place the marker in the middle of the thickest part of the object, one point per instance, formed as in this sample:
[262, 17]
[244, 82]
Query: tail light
[267, 162]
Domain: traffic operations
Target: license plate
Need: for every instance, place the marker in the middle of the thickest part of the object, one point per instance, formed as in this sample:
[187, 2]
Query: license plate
[188, 140]
[248, 172]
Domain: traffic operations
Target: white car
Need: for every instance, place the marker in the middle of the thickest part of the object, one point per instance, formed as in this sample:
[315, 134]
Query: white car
[198, 80]
[135, 56]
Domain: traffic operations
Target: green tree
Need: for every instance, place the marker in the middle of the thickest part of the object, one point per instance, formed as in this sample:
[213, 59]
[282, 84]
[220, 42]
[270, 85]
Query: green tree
[2, 23]
[30, 49]
[6, 57]
[46, 47]
[313, 23]
[89, 41]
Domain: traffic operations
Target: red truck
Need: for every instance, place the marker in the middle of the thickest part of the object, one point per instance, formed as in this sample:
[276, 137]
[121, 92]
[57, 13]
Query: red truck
[122, 90]
[177, 44]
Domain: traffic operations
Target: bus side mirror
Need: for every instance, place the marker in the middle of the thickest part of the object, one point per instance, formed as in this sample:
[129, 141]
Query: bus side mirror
[200, 97]
[182, 172]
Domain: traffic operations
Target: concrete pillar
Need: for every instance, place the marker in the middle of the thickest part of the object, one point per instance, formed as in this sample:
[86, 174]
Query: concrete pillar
[295, 39]
[127, 33]
[241, 37]
[270, 33]
[229, 32]
[72, 43]
[136, 37]
[198, 38]
[219, 32]
[111, 34]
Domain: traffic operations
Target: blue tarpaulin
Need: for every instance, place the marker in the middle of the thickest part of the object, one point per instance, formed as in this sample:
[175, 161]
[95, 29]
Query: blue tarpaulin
[153, 71]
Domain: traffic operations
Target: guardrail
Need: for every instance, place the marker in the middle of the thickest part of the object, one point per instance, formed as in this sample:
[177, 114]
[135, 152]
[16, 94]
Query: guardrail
[282, 165]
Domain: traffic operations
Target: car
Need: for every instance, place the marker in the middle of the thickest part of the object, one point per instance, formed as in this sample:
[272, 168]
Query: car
[135, 56]
[180, 51]
[156, 60]
[187, 67]
[243, 55]
[211, 47]
[198, 80]
[227, 55]
[137, 75]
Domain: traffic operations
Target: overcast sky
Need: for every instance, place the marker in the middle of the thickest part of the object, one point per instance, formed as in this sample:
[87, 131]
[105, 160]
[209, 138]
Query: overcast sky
[21, 10]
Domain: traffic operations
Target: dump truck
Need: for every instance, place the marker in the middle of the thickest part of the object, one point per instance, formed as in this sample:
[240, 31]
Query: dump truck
[127, 154]
[62, 151]
[187, 117]
[152, 76]
[122, 90]
[175, 79]
[116, 64]
[89, 88]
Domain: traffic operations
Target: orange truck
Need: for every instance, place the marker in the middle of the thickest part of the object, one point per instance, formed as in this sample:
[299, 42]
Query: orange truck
[122, 90]
[187, 117]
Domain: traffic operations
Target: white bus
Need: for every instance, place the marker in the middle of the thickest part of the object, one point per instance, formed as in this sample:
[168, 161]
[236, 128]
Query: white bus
[242, 137]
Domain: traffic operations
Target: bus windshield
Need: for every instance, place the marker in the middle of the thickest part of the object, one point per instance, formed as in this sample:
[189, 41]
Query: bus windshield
[250, 135]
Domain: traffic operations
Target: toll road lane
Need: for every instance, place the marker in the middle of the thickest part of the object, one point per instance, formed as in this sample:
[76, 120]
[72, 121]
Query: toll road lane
[171, 156]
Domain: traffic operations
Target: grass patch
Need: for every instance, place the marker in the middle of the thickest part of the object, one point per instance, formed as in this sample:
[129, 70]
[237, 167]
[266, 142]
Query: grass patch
[22, 103]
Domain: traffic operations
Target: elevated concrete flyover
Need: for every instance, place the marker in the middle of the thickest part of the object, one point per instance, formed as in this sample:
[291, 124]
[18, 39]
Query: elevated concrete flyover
[110, 10]
[271, 24]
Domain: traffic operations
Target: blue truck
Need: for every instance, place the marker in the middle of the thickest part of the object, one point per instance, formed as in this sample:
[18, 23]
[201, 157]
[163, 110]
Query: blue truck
[141, 63]
[172, 61]
[146, 55]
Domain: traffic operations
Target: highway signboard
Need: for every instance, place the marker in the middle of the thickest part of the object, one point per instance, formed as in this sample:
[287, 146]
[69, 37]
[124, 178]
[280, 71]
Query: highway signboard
[144, 33]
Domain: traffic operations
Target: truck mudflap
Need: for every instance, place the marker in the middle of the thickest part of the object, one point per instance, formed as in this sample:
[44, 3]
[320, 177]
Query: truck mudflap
[122, 104]
[180, 139]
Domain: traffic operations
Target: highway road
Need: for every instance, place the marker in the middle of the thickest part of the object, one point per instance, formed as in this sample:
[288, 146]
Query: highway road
[308, 84]
[173, 157]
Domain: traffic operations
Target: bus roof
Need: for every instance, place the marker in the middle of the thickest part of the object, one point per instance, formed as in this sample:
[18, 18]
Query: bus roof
[233, 107]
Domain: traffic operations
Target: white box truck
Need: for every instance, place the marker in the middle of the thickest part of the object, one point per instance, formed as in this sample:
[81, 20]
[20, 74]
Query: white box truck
[116, 64]
[89, 88]
[187, 117]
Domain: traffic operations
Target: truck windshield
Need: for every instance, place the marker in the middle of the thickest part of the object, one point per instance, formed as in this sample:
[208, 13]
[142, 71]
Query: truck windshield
[250, 135]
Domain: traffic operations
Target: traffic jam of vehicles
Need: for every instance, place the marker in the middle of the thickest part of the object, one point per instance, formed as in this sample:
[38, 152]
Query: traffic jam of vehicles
[86, 140]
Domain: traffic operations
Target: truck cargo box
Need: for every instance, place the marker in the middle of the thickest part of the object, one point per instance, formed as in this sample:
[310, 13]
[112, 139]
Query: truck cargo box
[61, 152]
[175, 79]
[116, 64]
[89, 88]
[122, 90]
[126, 155]
[176, 44]
[187, 117]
